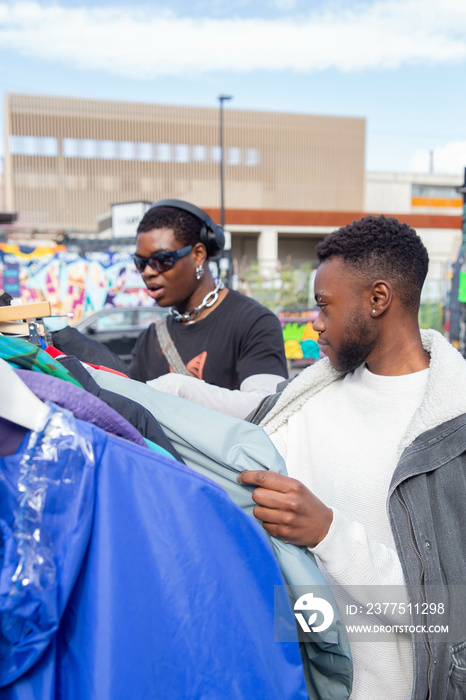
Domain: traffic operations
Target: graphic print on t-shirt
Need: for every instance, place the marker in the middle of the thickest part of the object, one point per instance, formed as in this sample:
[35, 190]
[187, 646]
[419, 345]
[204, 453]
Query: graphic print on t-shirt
[196, 365]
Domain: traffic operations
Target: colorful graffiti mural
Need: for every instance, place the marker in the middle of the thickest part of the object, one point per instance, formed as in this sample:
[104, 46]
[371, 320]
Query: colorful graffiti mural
[73, 284]
[81, 285]
[299, 336]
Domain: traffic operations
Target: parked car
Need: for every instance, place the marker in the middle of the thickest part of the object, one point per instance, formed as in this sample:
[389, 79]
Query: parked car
[118, 327]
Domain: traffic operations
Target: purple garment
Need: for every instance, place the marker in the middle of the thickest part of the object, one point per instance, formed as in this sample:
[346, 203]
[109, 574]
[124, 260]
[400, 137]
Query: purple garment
[11, 436]
[81, 403]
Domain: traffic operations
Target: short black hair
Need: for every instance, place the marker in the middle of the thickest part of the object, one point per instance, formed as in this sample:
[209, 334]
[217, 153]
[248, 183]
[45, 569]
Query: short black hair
[186, 226]
[380, 247]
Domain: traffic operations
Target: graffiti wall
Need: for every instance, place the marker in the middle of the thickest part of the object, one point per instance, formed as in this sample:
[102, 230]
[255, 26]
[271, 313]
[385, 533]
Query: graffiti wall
[71, 283]
[81, 285]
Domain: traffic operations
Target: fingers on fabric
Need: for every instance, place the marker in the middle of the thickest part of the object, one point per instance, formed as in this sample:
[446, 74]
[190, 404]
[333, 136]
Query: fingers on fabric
[287, 508]
[266, 479]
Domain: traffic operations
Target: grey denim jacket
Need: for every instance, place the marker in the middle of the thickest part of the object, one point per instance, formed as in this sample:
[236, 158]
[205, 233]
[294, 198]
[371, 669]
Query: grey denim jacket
[426, 505]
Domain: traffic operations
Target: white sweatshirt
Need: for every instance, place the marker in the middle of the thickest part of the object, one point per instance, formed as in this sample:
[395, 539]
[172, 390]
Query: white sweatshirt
[343, 444]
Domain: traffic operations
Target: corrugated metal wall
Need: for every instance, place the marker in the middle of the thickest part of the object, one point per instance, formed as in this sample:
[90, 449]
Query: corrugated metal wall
[67, 160]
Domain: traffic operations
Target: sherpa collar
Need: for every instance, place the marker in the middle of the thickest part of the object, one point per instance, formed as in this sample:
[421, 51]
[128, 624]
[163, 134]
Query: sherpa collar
[444, 399]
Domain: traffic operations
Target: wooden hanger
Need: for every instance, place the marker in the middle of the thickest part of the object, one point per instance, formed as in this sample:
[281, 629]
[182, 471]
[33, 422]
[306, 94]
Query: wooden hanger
[23, 312]
[19, 328]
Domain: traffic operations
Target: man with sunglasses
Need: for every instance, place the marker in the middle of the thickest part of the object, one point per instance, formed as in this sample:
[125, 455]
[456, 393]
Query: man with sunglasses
[161, 262]
[230, 347]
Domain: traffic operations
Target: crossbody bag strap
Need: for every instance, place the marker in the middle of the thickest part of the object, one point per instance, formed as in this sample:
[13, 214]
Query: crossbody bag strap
[168, 347]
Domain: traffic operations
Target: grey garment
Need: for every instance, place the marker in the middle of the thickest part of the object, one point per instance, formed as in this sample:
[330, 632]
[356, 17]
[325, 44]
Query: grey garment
[426, 505]
[220, 446]
[427, 509]
[265, 406]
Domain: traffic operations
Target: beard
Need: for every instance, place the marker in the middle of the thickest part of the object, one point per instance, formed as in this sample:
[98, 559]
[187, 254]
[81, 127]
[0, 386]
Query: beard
[359, 341]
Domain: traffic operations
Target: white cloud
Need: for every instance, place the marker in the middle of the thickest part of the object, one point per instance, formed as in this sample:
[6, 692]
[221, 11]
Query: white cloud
[448, 159]
[284, 5]
[132, 42]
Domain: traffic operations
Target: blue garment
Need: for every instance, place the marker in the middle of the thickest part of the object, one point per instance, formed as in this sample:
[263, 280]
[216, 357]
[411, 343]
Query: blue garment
[124, 574]
[220, 446]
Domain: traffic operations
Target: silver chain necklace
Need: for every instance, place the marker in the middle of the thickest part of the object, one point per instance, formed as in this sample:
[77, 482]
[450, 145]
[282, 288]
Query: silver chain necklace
[208, 301]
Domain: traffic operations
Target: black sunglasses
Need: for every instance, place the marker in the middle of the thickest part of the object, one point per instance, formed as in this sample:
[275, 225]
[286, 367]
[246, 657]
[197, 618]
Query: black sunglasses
[161, 262]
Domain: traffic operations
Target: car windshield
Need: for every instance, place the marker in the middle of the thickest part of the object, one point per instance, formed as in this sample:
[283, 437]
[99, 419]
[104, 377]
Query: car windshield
[146, 316]
[123, 317]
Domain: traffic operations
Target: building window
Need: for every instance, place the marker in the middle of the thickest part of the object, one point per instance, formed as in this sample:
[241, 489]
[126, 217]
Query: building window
[126, 150]
[33, 146]
[252, 157]
[79, 148]
[29, 146]
[234, 156]
[145, 151]
[435, 191]
[15, 145]
[70, 148]
[107, 150]
[215, 154]
[199, 153]
[181, 153]
[87, 148]
[48, 146]
[164, 152]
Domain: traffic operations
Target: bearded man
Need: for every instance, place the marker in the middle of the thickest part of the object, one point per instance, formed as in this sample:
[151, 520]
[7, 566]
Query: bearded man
[374, 440]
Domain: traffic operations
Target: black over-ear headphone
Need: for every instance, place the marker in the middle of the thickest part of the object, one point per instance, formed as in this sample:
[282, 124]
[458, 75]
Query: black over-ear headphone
[211, 234]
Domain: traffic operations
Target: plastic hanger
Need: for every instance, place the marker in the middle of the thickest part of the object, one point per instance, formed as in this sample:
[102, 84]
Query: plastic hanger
[18, 403]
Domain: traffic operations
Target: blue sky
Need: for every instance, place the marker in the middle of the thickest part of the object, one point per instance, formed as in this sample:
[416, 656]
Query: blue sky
[401, 64]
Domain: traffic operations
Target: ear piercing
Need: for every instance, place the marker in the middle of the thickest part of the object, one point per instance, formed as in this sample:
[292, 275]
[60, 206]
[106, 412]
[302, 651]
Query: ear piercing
[373, 311]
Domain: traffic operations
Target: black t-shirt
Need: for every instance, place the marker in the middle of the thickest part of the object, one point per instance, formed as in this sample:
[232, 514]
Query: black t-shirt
[238, 339]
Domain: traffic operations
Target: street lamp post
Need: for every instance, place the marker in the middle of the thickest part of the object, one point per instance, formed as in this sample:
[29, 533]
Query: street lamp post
[225, 261]
[221, 99]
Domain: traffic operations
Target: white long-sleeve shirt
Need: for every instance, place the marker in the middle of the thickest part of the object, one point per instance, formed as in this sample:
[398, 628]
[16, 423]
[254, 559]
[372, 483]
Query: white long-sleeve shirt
[343, 445]
[235, 402]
